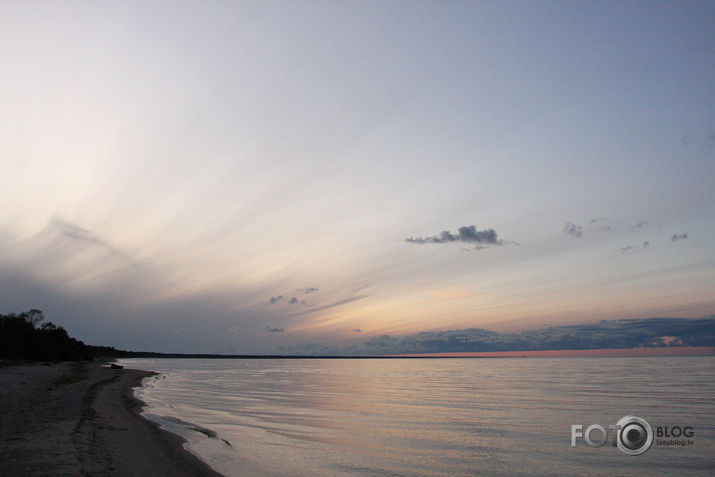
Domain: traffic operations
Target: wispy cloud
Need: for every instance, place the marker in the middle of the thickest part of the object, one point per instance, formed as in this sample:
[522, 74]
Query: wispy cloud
[293, 300]
[466, 234]
[573, 230]
[600, 223]
[73, 231]
[645, 225]
[335, 304]
[79, 235]
[635, 248]
[308, 290]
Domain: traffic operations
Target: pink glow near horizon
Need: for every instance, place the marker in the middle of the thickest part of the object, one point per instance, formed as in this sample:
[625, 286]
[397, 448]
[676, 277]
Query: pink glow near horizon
[564, 353]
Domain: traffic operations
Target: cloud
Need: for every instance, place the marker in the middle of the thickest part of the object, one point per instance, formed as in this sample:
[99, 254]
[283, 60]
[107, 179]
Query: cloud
[634, 248]
[308, 290]
[72, 230]
[600, 223]
[625, 333]
[676, 237]
[115, 315]
[334, 304]
[466, 234]
[293, 300]
[274, 330]
[645, 225]
[575, 231]
[78, 235]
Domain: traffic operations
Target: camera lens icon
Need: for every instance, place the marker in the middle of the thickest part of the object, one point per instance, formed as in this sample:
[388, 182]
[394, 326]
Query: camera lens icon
[635, 435]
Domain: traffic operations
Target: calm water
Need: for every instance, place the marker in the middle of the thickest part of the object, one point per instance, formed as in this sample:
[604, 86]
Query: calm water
[431, 416]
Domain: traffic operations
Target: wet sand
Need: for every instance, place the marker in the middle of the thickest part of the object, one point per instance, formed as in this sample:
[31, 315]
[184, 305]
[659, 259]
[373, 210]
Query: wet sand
[82, 419]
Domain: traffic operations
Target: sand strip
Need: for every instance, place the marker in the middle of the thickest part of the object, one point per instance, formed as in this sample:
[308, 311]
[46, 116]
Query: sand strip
[82, 419]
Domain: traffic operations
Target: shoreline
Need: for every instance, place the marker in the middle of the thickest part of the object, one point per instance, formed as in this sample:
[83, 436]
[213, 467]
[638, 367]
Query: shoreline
[83, 419]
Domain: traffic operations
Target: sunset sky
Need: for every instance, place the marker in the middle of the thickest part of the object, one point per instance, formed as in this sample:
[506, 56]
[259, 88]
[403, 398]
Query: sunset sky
[237, 176]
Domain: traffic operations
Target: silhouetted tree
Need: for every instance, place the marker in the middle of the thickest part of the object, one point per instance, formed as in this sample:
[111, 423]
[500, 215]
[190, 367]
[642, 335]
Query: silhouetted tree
[25, 336]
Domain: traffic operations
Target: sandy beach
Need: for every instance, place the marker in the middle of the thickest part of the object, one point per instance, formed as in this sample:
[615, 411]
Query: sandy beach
[82, 419]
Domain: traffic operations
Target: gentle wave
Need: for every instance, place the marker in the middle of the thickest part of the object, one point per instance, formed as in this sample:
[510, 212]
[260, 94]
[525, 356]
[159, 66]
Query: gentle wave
[429, 416]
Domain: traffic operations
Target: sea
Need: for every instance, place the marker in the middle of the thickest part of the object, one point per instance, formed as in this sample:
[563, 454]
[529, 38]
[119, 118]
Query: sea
[435, 417]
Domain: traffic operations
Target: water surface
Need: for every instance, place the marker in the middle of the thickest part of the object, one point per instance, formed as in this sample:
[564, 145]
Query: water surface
[430, 416]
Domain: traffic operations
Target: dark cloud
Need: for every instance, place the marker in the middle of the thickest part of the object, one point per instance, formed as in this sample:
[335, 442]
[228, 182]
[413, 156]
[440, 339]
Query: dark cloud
[292, 301]
[110, 316]
[274, 330]
[123, 305]
[466, 234]
[312, 349]
[629, 333]
[575, 231]
[308, 290]
[676, 237]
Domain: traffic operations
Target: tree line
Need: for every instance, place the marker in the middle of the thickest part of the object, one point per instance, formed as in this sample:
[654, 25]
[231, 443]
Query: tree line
[26, 335]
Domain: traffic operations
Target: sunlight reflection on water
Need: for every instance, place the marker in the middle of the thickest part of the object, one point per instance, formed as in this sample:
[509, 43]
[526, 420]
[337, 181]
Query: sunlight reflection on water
[432, 416]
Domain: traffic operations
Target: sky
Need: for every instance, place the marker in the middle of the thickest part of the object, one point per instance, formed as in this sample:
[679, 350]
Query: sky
[242, 177]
